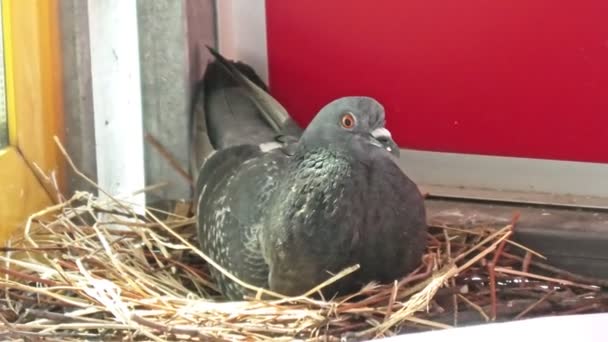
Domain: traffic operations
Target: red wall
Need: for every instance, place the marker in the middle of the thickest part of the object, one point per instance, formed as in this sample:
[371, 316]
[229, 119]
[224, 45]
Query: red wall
[514, 78]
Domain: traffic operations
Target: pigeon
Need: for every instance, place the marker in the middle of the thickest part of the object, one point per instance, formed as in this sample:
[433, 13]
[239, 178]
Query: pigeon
[285, 208]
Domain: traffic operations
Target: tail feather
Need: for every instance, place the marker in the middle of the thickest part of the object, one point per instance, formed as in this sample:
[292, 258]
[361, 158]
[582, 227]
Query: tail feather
[221, 74]
[232, 106]
[275, 115]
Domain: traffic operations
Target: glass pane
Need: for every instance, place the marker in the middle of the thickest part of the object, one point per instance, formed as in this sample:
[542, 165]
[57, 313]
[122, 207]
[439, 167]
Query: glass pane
[3, 129]
[3, 114]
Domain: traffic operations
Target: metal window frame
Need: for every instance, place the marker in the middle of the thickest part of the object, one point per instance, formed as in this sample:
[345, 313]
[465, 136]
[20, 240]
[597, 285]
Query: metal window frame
[509, 180]
[31, 168]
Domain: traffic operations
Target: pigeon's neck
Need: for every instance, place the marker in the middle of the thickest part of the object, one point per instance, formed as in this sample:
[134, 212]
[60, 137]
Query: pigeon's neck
[320, 169]
[316, 183]
[308, 155]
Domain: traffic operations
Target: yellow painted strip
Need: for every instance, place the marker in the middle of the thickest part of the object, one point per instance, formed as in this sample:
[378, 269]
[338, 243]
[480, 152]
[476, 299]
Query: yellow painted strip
[34, 108]
[36, 98]
[20, 193]
[9, 72]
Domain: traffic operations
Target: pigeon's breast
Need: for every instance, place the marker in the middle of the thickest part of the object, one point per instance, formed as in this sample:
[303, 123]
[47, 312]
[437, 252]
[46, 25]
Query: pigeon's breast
[312, 224]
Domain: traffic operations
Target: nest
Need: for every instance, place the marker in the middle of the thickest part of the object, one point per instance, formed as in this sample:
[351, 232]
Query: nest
[99, 267]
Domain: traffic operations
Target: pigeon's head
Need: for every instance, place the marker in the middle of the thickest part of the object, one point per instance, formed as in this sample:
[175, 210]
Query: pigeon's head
[353, 120]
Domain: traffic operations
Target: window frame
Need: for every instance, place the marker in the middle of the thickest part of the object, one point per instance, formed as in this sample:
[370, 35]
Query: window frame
[31, 166]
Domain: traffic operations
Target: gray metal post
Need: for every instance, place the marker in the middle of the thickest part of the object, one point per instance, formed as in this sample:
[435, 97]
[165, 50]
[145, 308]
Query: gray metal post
[78, 97]
[171, 36]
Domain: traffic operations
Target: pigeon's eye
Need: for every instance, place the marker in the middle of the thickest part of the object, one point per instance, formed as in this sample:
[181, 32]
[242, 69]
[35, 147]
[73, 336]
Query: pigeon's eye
[348, 120]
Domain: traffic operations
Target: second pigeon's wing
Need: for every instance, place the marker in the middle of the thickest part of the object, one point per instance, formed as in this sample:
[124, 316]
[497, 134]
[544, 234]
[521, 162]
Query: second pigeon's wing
[233, 188]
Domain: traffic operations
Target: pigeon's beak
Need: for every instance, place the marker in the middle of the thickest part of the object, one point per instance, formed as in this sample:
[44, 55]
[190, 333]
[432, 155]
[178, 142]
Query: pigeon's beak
[384, 137]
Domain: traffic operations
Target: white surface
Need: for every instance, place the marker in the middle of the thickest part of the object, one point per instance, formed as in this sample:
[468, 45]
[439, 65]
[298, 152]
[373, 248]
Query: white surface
[242, 32]
[116, 83]
[575, 328]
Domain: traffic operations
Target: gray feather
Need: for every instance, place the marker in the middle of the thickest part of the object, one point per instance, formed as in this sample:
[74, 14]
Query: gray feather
[275, 115]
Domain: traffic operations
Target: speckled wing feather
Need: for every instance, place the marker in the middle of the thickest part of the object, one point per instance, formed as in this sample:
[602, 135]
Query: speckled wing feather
[234, 186]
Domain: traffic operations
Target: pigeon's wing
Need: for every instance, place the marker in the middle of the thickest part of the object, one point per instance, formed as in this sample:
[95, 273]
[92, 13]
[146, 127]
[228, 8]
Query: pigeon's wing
[234, 185]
